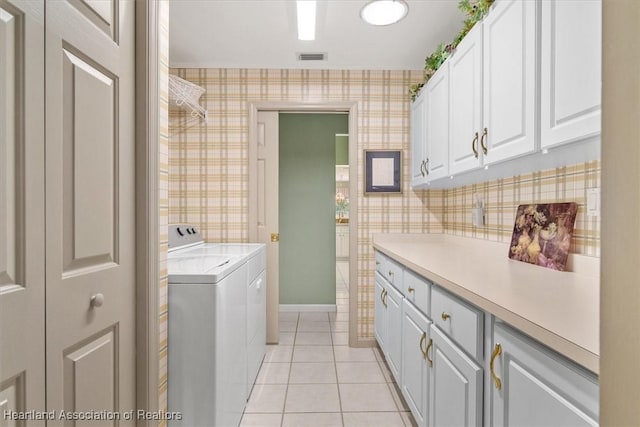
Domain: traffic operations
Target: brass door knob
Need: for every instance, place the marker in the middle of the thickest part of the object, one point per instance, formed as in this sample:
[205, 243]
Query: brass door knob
[275, 237]
[445, 316]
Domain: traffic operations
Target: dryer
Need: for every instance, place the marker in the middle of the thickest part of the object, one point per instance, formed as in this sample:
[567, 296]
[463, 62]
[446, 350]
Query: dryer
[217, 327]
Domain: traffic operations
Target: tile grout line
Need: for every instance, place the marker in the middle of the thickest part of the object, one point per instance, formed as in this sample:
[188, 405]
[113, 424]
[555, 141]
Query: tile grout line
[286, 390]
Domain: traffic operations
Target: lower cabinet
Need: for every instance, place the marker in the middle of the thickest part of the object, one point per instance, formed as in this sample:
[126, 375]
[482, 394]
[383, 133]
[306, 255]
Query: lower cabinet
[415, 365]
[445, 375]
[393, 302]
[524, 372]
[388, 324]
[455, 385]
[380, 324]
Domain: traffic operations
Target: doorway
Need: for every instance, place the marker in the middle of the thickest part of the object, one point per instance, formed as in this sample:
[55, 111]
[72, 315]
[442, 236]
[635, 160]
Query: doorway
[263, 211]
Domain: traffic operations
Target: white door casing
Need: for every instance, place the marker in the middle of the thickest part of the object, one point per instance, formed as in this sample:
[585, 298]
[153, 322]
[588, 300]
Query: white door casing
[263, 181]
[267, 219]
[22, 268]
[90, 183]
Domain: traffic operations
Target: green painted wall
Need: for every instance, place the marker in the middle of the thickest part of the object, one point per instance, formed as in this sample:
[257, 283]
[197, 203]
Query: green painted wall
[307, 207]
[342, 149]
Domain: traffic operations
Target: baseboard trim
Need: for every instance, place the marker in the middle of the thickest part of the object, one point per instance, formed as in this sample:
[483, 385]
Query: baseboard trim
[307, 307]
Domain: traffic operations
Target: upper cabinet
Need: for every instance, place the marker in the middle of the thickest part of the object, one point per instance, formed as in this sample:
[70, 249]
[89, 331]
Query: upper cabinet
[465, 103]
[430, 130]
[570, 71]
[437, 124]
[418, 173]
[509, 80]
[521, 84]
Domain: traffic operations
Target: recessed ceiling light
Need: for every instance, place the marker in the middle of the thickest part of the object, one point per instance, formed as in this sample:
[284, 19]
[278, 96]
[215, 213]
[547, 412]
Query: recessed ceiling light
[384, 12]
[306, 19]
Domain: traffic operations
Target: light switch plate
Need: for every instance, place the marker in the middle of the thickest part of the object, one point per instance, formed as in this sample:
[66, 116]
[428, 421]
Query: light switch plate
[593, 202]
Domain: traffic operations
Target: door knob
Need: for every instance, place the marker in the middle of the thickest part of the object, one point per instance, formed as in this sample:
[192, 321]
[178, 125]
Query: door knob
[275, 237]
[97, 300]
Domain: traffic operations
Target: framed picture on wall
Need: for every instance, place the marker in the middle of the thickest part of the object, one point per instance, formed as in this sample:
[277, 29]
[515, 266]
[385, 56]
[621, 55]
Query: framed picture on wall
[382, 171]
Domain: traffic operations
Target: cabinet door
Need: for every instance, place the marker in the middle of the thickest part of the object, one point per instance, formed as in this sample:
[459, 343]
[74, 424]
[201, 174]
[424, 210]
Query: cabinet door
[571, 71]
[418, 155]
[394, 331]
[380, 313]
[415, 368]
[509, 80]
[465, 72]
[455, 385]
[564, 394]
[437, 124]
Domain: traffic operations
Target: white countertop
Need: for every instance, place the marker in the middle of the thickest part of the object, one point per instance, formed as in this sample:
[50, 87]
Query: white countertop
[559, 309]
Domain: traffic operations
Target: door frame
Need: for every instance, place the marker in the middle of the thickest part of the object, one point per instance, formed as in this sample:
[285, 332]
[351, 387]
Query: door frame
[351, 108]
[147, 131]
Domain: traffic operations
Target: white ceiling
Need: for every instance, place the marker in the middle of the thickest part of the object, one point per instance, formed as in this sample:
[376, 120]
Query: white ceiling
[263, 34]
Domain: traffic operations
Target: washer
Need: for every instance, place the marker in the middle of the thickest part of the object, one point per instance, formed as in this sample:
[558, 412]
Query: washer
[217, 326]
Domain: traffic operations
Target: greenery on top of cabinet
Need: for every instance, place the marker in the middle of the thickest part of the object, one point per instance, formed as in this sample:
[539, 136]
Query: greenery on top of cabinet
[474, 10]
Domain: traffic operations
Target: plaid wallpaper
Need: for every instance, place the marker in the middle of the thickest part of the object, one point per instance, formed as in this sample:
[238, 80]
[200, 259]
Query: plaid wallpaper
[163, 197]
[502, 197]
[208, 178]
[208, 175]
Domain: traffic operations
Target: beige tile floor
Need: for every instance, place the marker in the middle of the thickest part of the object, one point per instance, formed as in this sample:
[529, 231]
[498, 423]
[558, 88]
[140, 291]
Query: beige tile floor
[313, 378]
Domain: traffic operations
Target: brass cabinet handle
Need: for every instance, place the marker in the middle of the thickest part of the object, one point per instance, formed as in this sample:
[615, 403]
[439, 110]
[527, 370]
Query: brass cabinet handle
[422, 339]
[384, 297]
[445, 316]
[497, 351]
[422, 168]
[426, 166]
[474, 145]
[411, 289]
[426, 353]
[482, 142]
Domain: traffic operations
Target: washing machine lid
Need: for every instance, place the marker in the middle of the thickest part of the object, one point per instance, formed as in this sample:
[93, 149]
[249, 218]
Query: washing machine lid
[201, 269]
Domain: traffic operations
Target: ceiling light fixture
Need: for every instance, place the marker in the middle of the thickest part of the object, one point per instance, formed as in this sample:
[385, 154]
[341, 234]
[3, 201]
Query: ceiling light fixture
[384, 12]
[306, 19]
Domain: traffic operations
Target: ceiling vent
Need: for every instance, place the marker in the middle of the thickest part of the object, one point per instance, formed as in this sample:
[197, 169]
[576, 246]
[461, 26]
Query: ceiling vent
[312, 57]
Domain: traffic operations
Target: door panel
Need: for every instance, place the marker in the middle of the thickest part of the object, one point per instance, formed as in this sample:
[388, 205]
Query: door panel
[90, 164]
[22, 298]
[267, 163]
[80, 374]
[90, 207]
[509, 77]
[455, 385]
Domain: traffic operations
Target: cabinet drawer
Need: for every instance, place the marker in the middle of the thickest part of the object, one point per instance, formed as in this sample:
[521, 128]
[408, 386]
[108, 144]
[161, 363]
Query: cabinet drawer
[417, 289]
[393, 273]
[381, 263]
[461, 321]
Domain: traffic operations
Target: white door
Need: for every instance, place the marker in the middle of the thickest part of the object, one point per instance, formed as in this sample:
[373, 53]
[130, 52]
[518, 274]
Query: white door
[415, 367]
[571, 66]
[90, 245]
[509, 63]
[267, 212]
[22, 297]
[455, 385]
[465, 74]
[437, 124]
[418, 155]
